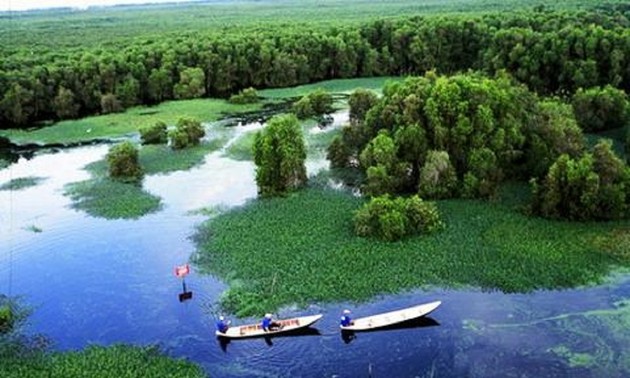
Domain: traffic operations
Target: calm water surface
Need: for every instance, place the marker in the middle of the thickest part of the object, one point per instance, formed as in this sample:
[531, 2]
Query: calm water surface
[96, 281]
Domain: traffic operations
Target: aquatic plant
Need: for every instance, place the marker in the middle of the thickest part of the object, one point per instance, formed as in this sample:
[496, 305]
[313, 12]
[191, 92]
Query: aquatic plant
[22, 183]
[155, 134]
[301, 249]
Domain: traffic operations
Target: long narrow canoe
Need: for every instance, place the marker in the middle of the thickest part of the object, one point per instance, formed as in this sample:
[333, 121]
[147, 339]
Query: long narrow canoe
[393, 317]
[255, 330]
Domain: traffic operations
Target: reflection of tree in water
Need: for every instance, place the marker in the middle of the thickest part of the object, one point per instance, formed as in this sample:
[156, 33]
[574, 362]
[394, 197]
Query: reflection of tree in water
[594, 343]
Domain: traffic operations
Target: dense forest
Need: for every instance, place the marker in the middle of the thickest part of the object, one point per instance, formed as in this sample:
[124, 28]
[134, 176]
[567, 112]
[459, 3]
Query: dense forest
[552, 52]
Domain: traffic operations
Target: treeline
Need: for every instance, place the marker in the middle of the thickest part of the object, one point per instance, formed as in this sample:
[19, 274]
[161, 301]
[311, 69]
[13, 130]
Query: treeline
[551, 52]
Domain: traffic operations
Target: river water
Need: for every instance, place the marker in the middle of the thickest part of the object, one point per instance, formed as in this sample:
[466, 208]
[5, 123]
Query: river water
[97, 281]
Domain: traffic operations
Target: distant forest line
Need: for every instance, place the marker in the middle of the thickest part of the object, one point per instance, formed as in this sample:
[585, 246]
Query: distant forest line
[553, 52]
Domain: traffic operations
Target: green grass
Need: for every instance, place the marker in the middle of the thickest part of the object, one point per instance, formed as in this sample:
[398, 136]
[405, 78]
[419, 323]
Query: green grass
[334, 86]
[119, 361]
[128, 122]
[22, 183]
[302, 249]
[241, 149]
[105, 198]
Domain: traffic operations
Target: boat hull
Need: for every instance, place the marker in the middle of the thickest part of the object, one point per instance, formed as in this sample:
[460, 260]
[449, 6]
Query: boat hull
[393, 317]
[255, 330]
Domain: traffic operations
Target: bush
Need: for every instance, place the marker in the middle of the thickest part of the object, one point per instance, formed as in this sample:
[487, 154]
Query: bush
[598, 109]
[437, 177]
[188, 132]
[6, 318]
[360, 102]
[392, 220]
[303, 108]
[279, 154]
[246, 96]
[123, 162]
[155, 134]
[110, 104]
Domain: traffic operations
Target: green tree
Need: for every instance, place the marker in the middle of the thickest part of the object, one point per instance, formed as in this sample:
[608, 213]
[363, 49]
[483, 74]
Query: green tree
[360, 101]
[187, 132]
[110, 104]
[191, 83]
[246, 96]
[279, 154]
[123, 162]
[303, 108]
[437, 177]
[598, 109]
[160, 85]
[65, 104]
[16, 105]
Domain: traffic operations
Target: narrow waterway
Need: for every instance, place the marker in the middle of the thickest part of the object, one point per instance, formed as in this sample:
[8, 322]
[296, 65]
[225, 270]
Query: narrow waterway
[97, 281]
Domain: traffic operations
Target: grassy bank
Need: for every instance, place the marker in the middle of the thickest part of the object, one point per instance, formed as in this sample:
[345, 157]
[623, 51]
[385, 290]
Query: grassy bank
[117, 361]
[128, 122]
[301, 249]
[334, 86]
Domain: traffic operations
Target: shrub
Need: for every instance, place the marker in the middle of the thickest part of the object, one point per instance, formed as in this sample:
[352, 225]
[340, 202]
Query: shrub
[394, 219]
[598, 109]
[110, 104]
[188, 132]
[6, 318]
[315, 103]
[155, 134]
[303, 108]
[246, 96]
[123, 162]
[437, 177]
[360, 102]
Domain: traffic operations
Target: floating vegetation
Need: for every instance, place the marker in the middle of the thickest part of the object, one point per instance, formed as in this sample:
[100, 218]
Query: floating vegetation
[33, 228]
[301, 249]
[22, 183]
[156, 159]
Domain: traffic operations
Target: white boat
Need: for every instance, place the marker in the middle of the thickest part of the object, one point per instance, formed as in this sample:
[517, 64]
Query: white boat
[393, 317]
[255, 330]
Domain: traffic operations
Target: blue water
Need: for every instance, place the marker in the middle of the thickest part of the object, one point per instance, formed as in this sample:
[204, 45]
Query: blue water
[96, 281]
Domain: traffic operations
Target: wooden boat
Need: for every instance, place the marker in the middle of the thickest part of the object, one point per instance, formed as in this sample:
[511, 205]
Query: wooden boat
[255, 330]
[393, 317]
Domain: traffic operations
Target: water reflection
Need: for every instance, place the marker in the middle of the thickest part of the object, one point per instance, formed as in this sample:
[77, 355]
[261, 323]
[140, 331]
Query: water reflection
[79, 269]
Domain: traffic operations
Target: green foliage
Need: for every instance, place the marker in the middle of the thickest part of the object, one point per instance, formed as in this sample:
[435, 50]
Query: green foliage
[65, 104]
[392, 219]
[188, 132]
[303, 108]
[595, 186]
[6, 318]
[599, 109]
[279, 154]
[156, 159]
[155, 134]
[110, 104]
[191, 83]
[488, 245]
[437, 176]
[556, 132]
[22, 183]
[245, 96]
[123, 164]
[360, 101]
[321, 101]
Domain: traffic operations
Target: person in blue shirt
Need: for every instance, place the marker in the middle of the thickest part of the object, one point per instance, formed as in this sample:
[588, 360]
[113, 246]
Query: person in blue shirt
[268, 324]
[223, 325]
[346, 320]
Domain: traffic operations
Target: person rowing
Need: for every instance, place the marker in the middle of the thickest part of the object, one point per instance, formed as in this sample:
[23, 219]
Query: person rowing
[222, 324]
[268, 324]
[346, 320]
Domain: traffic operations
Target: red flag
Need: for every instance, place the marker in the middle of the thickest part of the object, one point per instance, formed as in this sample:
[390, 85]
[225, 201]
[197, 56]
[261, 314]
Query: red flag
[182, 270]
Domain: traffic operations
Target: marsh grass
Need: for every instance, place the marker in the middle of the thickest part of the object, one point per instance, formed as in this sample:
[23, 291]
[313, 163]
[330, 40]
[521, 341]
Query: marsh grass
[103, 197]
[128, 122]
[241, 149]
[22, 183]
[301, 249]
[157, 159]
[119, 361]
[333, 86]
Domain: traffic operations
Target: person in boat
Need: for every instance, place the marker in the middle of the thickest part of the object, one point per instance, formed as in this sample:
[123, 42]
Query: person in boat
[268, 324]
[222, 324]
[346, 320]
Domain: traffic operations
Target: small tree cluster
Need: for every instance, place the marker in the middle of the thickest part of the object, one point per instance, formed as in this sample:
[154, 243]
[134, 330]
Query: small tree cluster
[598, 109]
[123, 162]
[392, 219]
[188, 132]
[315, 103]
[246, 96]
[595, 185]
[279, 154]
[155, 134]
[360, 102]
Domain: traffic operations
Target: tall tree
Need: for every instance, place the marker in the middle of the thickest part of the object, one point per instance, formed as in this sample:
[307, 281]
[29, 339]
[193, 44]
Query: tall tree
[279, 154]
